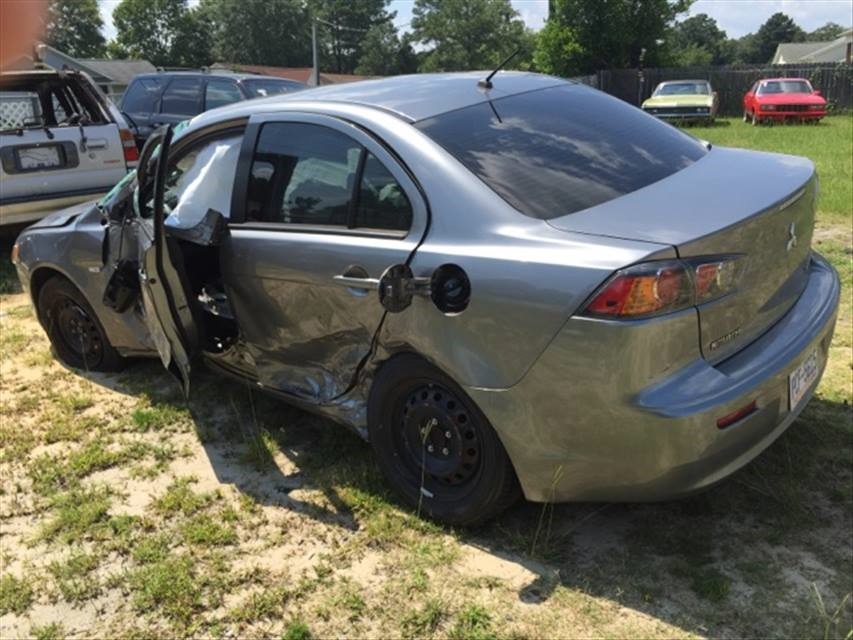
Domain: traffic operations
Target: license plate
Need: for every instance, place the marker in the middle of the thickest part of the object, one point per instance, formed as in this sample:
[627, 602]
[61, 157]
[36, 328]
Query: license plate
[35, 158]
[801, 379]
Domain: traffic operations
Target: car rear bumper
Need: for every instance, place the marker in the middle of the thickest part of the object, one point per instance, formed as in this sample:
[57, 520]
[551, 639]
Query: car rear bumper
[629, 413]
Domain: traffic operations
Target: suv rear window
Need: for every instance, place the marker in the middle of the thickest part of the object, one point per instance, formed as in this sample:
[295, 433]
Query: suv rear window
[182, 97]
[562, 149]
[142, 96]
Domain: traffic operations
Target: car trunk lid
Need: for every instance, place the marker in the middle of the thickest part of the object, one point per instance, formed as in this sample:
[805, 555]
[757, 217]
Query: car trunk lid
[753, 205]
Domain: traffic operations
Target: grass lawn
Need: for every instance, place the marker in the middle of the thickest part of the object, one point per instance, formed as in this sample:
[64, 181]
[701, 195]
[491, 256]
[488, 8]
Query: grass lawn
[126, 513]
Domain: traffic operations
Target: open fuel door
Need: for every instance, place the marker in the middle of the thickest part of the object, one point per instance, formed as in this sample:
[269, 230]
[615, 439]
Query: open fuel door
[169, 316]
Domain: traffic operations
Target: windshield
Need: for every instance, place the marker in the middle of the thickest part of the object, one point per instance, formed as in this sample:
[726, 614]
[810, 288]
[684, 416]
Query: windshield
[271, 87]
[784, 86]
[683, 89]
[559, 150]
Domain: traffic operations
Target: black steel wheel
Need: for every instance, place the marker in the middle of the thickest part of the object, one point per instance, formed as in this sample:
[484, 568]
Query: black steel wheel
[435, 446]
[74, 331]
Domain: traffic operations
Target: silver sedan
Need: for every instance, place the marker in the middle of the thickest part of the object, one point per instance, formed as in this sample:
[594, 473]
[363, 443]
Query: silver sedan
[516, 286]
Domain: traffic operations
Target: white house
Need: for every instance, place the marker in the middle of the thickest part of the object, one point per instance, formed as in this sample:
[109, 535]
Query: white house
[838, 50]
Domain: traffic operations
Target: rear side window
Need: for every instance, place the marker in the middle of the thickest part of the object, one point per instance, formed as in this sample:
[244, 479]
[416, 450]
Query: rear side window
[182, 97]
[559, 150]
[302, 174]
[142, 96]
[19, 109]
[221, 92]
[269, 87]
[310, 174]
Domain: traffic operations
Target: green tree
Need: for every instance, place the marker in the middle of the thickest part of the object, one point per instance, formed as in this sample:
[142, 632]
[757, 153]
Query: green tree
[698, 41]
[265, 32]
[556, 49]
[344, 28]
[469, 34]
[164, 32]
[609, 33]
[384, 53]
[778, 29]
[74, 27]
[829, 31]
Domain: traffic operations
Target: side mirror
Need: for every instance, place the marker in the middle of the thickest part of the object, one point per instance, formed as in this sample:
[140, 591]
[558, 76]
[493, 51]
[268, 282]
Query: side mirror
[817, 92]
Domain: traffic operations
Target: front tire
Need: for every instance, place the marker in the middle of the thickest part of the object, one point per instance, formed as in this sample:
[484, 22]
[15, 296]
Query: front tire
[755, 120]
[77, 337]
[436, 447]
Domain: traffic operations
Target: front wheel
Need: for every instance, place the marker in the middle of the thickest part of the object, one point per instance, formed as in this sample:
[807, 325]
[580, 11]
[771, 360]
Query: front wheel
[77, 337]
[435, 446]
[755, 120]
[745, 115]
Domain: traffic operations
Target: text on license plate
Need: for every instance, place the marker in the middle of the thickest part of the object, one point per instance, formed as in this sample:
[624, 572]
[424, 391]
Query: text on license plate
[801, 379]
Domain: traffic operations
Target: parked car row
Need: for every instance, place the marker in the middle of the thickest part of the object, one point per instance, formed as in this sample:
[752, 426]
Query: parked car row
[155, 99]
[62, 141]
[513, 286]
[767, 101]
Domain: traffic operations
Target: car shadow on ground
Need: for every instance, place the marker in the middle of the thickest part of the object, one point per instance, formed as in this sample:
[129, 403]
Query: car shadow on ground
[700, 563]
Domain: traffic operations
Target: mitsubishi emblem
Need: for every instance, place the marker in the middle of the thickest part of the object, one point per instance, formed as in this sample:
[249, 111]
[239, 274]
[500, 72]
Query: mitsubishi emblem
[792, 236]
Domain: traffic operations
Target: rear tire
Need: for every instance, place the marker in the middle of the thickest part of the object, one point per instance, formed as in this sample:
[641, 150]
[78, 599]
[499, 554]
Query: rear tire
[77, 337]
[435, 446]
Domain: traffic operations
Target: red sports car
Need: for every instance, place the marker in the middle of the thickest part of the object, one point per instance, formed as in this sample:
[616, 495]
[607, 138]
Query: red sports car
[779, 99]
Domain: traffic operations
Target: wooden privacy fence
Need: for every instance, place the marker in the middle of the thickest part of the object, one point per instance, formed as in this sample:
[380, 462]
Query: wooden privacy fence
[835, 81]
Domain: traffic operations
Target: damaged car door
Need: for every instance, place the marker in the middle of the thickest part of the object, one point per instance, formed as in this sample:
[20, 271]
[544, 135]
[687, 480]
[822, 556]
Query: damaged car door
[322, 212]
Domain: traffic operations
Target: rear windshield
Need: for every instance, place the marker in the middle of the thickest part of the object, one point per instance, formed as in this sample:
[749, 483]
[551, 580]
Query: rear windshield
[683, 89]
[784, 86]
[559, 150]
[261, 88]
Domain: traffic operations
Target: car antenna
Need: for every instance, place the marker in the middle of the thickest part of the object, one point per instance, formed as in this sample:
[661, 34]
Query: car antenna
[486, 83]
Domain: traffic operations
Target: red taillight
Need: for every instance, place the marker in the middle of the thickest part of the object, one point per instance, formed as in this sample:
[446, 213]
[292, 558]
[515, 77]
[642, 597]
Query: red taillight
[653, 288]
[128, 143]
[734, 416]
[644, 290]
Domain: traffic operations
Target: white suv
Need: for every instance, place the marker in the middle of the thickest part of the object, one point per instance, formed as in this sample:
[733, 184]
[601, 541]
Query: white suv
[61, 142]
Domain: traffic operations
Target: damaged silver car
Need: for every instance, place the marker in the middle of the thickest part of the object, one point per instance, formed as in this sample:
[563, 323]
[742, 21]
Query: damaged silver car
[511, 286]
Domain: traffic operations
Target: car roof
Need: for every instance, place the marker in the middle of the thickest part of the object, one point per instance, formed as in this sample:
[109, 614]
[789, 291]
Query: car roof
[685, 81]
[224, 73]
[410, 97]
[782, 79]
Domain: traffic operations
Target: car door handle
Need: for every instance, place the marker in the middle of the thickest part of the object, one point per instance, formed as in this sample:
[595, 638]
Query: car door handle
[352, 282]
[97, 143]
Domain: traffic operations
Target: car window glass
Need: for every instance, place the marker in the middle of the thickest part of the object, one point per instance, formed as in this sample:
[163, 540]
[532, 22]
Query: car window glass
[182, 97]
[202, 179]
[555, 151]
[302, 174]
[19, 109]
[141, 96]
[270, 87]
[382, 204]
[221, 92]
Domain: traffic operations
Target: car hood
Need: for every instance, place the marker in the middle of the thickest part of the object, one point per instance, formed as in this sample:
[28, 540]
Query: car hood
[791, 98]
[693, 100]
[65, 216]
[712, 194]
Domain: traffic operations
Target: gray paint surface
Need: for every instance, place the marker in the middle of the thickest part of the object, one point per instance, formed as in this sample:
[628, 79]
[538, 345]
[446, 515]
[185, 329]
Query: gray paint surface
[587, 409]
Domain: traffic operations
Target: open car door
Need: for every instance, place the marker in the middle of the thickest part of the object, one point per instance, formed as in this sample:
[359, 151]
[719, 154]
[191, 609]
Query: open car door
[166, 306]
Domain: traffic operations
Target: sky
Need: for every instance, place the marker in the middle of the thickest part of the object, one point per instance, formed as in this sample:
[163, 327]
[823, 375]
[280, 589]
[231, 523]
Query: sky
[735, 17]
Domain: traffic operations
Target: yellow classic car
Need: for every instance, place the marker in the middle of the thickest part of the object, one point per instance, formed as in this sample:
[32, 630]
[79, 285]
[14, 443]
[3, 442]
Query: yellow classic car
[683, 101]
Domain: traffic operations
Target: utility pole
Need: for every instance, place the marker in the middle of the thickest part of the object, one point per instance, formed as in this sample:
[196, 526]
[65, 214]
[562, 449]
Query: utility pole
[315, 72]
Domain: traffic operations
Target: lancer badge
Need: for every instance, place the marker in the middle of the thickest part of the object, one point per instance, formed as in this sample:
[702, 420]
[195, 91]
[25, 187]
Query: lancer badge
[792, 236]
